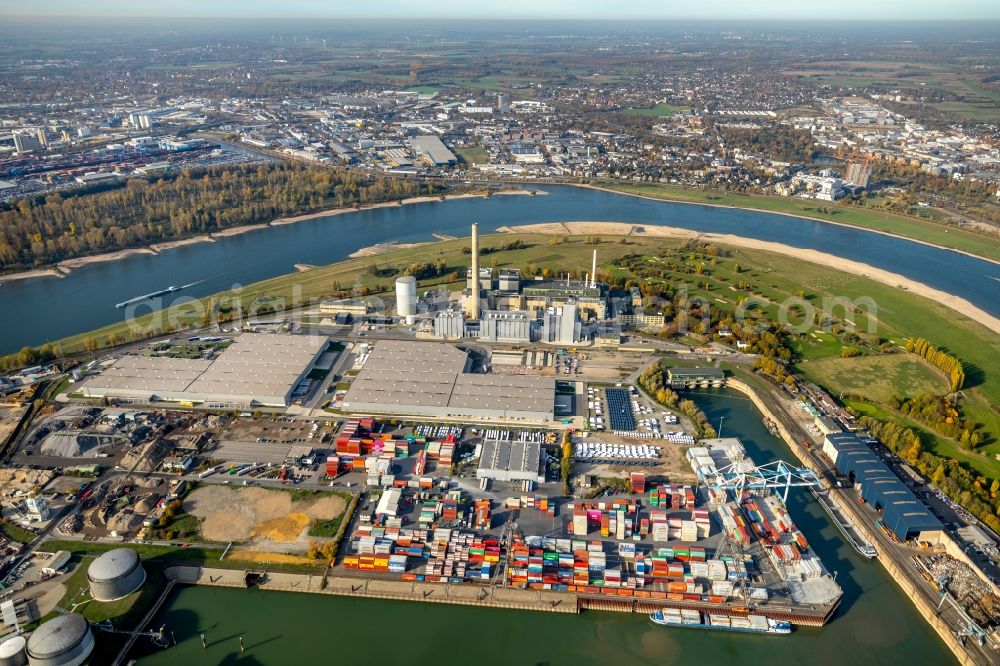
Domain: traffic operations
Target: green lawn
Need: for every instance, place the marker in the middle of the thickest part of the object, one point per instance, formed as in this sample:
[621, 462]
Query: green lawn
[16, 532]
[657, 111]
[922, 230]
[473, 155]
[875, 377]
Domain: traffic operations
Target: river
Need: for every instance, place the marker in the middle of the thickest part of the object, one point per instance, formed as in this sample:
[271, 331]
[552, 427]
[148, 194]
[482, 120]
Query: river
[48, 308]
[875, 624]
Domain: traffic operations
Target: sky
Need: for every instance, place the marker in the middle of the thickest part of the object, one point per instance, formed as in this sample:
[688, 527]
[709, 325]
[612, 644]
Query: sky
[514, 9]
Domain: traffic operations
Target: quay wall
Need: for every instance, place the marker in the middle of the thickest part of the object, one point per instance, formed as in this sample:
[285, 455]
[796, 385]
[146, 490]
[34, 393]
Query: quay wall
[926, 610]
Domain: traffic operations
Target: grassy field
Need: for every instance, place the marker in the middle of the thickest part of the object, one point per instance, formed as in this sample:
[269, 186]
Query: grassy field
[657, 111]
[472, 155]
[15, 532]
[878, 377]
[921, 230]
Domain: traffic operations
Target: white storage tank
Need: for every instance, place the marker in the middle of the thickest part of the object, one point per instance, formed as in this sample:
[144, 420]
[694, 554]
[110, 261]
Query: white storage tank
[115, 574]
[406, 297]
[64, 641]
[12, 652]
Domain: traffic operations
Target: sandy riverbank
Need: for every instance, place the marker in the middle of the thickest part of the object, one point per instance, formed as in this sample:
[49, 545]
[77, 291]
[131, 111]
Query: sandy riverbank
[797, 215]
[236, 231]
[27, 275]
[382, 248]
[956, 303]
[70, 264]
[170, 245]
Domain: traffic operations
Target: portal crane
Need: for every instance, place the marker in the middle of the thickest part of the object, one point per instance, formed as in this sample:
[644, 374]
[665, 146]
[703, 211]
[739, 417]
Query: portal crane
[772, 476]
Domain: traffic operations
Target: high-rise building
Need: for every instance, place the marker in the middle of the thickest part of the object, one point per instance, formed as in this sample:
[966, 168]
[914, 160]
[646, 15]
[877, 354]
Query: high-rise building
[503, 103]
[859, 174]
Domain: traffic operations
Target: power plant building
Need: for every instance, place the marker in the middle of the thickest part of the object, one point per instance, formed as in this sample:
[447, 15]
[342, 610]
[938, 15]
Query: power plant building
[62, 641]
[506, 326]
[561, 325]
[509, 280]
[115, 574]
[433, 379]
[255, 370]
[449, 325]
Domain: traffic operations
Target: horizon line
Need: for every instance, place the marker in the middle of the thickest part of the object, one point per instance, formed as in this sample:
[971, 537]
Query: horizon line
[528, 18]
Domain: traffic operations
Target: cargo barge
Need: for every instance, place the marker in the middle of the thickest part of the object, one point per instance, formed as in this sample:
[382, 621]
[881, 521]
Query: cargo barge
[154, 294]
[853, 536]
[752, 624]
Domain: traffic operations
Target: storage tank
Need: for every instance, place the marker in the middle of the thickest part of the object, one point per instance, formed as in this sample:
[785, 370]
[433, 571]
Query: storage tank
[63, 641]
[115, 574]
[406, 297]
[12, 652]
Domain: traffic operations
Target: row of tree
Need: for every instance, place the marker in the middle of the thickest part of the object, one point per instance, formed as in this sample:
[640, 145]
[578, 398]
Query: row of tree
[59, 226]
[956, 481]
[941, 413]
[941, 360]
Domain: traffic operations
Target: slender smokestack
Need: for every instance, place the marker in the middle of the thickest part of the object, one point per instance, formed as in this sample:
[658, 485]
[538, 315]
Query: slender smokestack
[593, 272]
[474, 294]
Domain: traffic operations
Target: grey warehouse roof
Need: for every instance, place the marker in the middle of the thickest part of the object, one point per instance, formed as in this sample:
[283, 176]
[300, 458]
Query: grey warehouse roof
[412, 377]
[262, 367]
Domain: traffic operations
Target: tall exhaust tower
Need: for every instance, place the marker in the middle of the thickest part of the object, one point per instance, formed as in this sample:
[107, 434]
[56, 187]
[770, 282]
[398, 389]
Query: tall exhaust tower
[472, 306]
[593, 272]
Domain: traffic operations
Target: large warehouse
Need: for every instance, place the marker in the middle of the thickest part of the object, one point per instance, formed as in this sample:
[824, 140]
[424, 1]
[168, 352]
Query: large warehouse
[257, 370]
[902, 512]
[432, 379]
[511, 461]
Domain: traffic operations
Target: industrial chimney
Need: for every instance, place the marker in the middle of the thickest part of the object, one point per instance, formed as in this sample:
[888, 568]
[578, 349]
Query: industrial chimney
[593, 272]
[473, 304]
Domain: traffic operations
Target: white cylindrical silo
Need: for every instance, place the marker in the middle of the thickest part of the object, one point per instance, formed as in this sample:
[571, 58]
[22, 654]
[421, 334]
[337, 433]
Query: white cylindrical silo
[12, 652]
[406, 296]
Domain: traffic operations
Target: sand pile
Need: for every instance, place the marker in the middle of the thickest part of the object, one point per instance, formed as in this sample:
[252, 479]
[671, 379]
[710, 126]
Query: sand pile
[230, 514]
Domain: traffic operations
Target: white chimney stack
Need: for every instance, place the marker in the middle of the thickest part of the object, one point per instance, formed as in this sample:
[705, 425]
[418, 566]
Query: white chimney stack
[593, 272]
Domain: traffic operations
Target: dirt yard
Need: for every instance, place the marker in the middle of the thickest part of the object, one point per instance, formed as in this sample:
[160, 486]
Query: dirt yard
[266, 517]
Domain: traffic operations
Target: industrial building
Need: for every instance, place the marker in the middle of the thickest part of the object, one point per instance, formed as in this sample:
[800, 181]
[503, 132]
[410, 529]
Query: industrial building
[433, 379]
[506, 326]
[433, 150]
[345, 306]
[561, 325]
[256, 370]
[695, 377]
[902, 512]
[62, 641]
[115, 574]
[511, 461]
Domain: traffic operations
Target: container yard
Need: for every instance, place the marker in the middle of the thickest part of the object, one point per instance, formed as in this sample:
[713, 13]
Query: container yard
[654, 544]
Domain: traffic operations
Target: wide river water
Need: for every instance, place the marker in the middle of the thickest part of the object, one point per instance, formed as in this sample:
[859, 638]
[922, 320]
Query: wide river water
[875, 624]
[45, 309]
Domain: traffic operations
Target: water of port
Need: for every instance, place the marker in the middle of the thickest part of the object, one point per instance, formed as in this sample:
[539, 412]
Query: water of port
[45, 309]
[876, 623]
